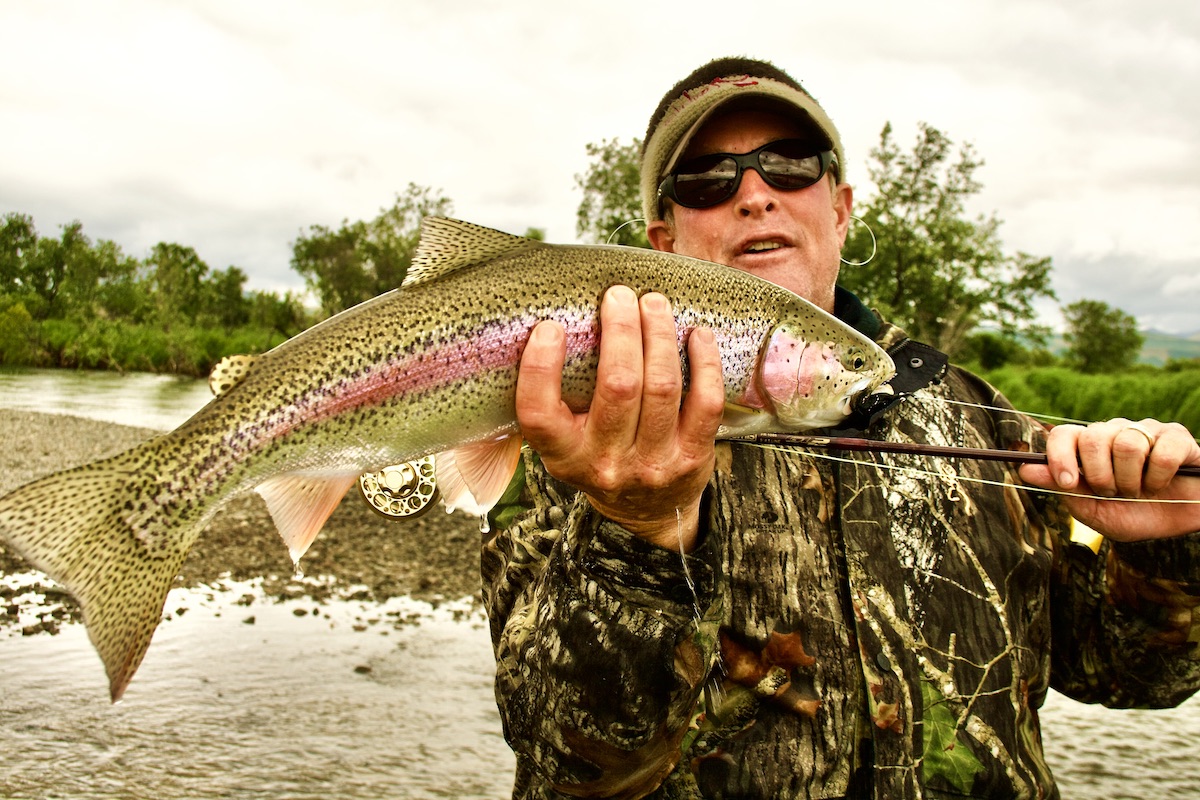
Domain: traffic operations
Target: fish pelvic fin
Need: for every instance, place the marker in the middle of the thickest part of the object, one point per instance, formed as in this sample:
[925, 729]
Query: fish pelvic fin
[447, 245]
[474, 477]
[86, 529]
[301, 503]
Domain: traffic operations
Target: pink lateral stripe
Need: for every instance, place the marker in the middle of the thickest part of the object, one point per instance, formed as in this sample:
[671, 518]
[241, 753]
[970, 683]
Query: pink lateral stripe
[455, 361]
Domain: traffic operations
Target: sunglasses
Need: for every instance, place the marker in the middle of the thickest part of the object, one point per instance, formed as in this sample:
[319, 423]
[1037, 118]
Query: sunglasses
[705, 181]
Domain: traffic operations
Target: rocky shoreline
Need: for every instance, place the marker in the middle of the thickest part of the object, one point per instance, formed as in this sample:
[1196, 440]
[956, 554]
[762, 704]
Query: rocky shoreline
[359, 555]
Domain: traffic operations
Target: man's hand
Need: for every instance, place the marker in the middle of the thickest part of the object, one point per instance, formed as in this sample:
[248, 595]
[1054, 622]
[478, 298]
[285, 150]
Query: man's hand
[1120, 458]
[641, 456]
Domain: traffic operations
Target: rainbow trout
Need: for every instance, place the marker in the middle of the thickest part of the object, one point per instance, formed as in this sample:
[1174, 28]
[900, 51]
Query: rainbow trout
[427, 368]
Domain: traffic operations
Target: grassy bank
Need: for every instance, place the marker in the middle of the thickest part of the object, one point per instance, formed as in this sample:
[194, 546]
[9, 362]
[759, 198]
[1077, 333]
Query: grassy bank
[1170, 393]
[135, 347]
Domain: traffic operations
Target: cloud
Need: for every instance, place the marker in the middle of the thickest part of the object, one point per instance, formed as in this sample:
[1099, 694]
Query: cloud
[231, 127]
[1161, 294]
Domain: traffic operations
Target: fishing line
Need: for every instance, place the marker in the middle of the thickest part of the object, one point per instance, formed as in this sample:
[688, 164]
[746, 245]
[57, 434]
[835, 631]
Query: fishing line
[687, 573]
[969, 479]
[983, 407]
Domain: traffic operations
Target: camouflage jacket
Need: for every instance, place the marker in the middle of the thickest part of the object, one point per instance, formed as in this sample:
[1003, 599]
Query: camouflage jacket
[849, 628]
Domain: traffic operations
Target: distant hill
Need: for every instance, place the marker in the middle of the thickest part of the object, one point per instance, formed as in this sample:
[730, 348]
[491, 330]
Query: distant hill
[1158, 349]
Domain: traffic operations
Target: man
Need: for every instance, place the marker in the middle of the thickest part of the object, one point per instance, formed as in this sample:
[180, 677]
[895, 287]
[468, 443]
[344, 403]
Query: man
[674, 618]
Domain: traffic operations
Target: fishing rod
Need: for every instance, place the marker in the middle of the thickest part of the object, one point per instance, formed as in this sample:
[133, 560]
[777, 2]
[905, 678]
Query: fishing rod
[912, 448]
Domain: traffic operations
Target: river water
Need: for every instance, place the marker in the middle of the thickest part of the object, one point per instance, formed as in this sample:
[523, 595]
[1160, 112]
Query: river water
[245, 698]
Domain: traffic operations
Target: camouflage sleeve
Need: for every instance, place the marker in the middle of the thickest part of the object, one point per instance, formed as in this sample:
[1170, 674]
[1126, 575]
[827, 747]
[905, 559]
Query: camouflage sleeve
[599, 645]
[1125, 623]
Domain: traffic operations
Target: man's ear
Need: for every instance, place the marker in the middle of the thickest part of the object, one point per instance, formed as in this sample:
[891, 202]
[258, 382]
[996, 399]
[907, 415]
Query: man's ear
[843, 207]
[660, 235]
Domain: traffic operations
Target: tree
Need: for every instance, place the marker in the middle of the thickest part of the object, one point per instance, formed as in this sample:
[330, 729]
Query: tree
[937, 273]
[284, 315]
[611, 195]
[360, 260]
[177, 276]
[225, 303]
[17, 333]
[18, 240]
[51, 264]
[1100, 338]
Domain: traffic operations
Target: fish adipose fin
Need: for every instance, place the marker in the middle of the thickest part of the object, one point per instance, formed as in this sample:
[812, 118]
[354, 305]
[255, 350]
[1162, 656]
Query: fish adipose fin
[228, 373]
[447, 245]
[91, 529]
[300, 505]
[473, 478]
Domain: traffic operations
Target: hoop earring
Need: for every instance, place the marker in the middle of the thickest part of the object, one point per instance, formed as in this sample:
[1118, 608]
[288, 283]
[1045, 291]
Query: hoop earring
[874, 245]
[613, 235]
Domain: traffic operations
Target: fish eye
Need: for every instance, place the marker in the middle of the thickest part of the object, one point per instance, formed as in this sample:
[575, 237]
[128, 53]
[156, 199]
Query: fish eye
[857, 360]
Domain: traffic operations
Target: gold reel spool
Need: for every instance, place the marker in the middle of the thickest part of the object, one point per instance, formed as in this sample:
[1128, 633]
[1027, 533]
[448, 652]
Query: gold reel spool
[401, 490]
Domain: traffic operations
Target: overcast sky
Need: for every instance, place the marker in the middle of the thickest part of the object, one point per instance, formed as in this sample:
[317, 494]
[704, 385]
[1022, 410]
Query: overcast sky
[233, 126]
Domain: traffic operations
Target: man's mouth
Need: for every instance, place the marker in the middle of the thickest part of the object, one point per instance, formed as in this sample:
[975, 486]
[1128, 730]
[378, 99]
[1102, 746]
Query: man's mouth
[762, 247]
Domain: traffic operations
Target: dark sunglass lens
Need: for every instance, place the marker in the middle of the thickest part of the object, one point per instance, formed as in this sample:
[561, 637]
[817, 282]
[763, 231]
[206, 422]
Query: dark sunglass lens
[791, 165]
[705, 181]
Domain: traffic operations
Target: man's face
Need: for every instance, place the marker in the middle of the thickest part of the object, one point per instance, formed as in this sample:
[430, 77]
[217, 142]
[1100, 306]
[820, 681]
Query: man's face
[792, 238]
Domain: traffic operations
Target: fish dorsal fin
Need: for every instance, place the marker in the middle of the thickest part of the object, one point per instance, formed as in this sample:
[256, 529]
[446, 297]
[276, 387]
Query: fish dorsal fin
[473, 478]
[300, 504]
[447, 245]
[228, 373]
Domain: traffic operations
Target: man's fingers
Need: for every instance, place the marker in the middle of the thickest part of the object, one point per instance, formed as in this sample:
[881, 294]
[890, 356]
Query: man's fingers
[662, 382]
[541, 413]
[1062, 459]
[1118, 457]
[613, 416]
[1131, 446]
[705, 402]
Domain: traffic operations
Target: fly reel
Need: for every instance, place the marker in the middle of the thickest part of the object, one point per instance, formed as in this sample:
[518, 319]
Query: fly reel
[400, 490]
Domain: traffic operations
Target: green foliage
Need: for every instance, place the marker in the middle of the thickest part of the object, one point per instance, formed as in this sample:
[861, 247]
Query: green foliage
[1100, 338]
[937, 273]
[1167, 395]
[18, 240]
[988, 350]
[17, 333]
[67, 302]
[130, 346]
[360, 260]
[611, 195]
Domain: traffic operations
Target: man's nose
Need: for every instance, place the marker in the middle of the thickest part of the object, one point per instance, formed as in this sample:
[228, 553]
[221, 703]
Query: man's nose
[755, 195]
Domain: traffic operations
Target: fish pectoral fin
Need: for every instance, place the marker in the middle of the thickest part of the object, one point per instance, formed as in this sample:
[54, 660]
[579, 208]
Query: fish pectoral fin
[473, 478]
[300, 504]
[741, 420]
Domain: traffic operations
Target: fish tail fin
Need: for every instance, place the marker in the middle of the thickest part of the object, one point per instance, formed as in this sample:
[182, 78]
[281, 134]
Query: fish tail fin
[115, 537]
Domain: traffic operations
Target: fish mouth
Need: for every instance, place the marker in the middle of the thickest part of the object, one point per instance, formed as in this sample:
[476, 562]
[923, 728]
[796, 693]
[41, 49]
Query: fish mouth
[866, 404]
